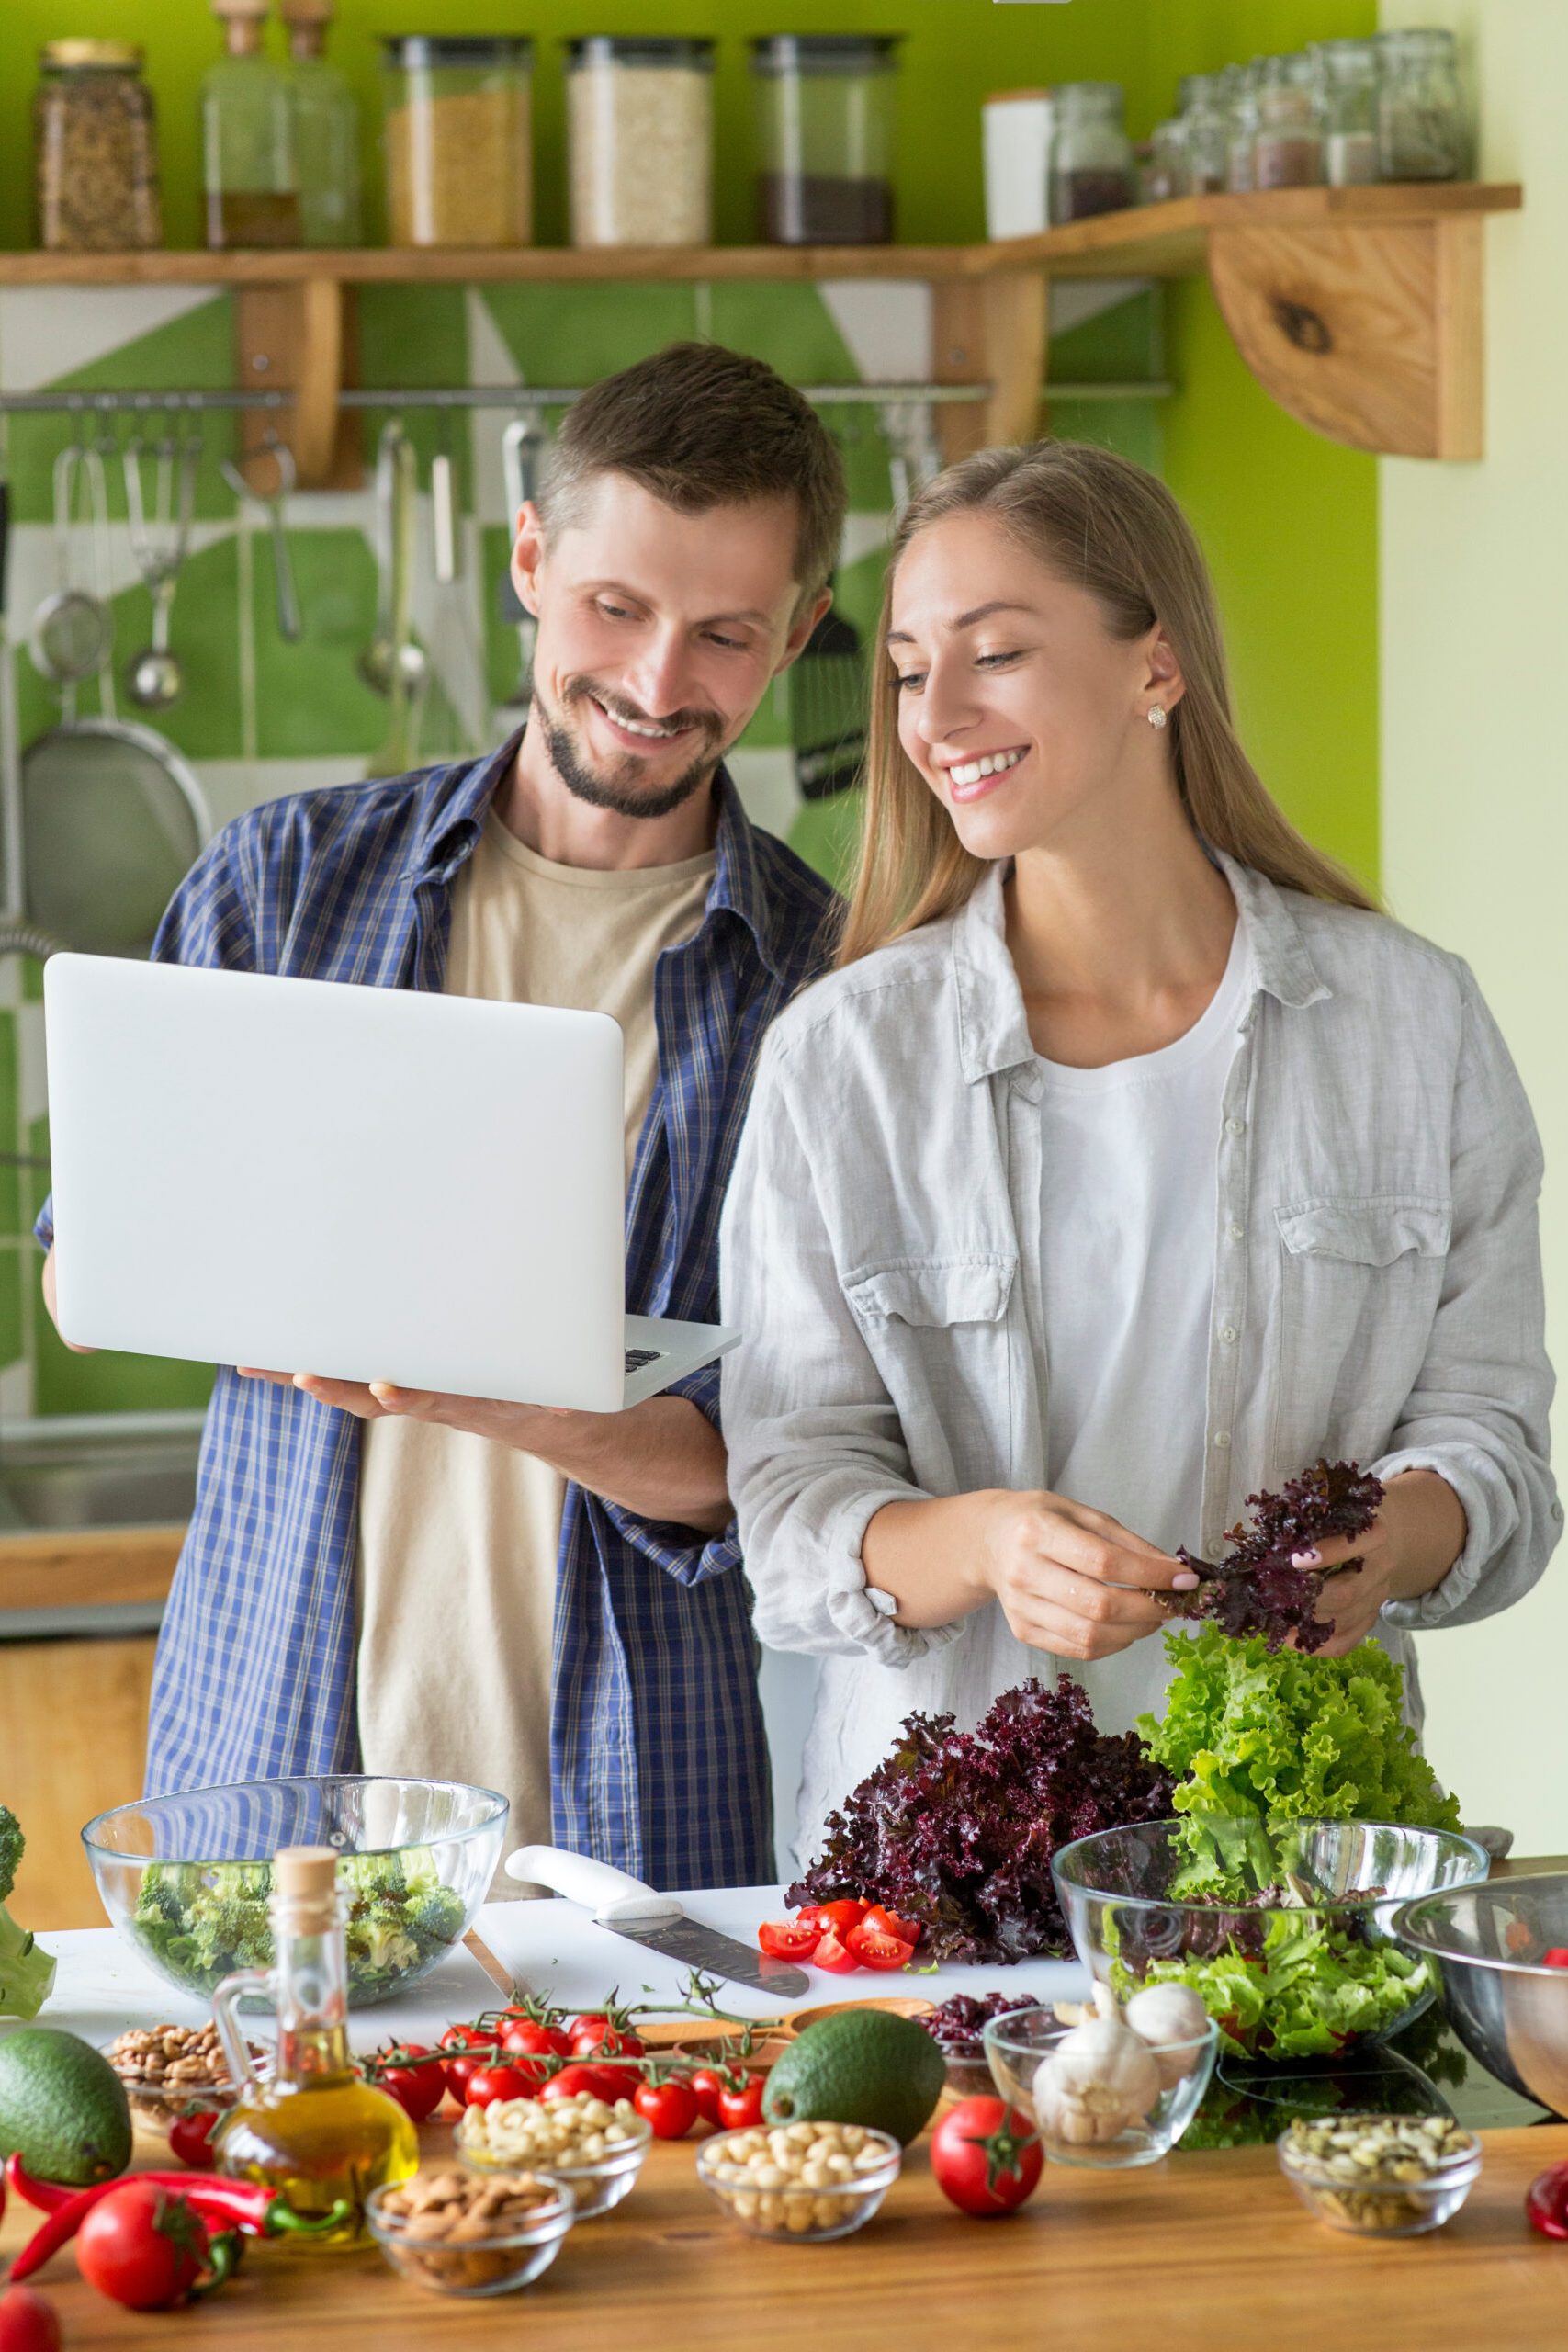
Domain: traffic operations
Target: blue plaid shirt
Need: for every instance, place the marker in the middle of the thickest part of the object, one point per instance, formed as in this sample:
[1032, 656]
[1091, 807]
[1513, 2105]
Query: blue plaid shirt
[657, 1751]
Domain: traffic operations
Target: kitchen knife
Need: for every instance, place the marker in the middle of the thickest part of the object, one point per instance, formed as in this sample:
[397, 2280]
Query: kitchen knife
[629, 1908]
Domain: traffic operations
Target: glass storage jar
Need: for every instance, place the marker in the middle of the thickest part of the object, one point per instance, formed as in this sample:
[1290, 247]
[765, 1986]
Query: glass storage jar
[249, 172]
[459, 132]
[825, 104]
[1206, 122]
[95, 150]
[326, 130]
[1288, 150]
[1240, 151]
[1347, 84]
[1421, 133]
[1163, 170]
[640, 129]
[1091, 160]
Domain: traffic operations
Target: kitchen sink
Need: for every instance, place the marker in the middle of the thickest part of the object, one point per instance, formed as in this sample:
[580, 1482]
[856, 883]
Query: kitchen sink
[90, 1470]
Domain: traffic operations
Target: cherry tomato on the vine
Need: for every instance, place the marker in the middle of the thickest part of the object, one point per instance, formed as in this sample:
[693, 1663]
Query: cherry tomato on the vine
[419, 2090]
[670, 2106]
[527, 2040]
[739, 2108]
[471, 2049]
[487, 2084]
[707, 2083]
[575, 2079]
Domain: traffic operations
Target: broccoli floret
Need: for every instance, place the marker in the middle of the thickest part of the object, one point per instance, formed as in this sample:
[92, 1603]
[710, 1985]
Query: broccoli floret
[436, 1917]
[27, 1970]
[231, 1932]
[379, 1940]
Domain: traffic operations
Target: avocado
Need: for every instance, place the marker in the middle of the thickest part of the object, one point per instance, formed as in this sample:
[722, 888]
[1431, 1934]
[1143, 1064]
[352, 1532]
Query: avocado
[63, 2107]
[862, 2066]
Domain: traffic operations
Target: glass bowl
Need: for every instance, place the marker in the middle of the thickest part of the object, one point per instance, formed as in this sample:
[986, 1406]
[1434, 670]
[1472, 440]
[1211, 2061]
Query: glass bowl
[493, 2264]
[154, 2106]
[804, 2216]
[1293, 1951]
[186, 1878]
[597, 2187]
[1016, 2043]
[1381, 2209]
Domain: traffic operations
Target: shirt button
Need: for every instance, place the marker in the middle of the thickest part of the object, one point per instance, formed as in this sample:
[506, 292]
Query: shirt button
[1228, 1335]
[1236, 1126]
[1222, 1437]
[1235, 1232]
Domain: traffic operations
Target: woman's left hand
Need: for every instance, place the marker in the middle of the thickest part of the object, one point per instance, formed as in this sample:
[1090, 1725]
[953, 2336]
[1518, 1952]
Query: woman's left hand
[1418, 1535]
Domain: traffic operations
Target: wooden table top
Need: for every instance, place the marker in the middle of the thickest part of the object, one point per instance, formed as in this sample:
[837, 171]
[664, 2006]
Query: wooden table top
[1203, 2253]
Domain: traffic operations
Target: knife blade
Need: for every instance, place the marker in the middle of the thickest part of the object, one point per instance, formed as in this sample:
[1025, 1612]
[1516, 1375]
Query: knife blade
[627, 1907]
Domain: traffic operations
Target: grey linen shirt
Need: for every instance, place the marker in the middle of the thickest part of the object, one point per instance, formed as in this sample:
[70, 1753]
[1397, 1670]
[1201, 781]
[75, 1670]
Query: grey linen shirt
[1377, 1292]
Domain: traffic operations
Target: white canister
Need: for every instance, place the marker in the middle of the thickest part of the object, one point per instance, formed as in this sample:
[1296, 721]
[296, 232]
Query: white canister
[1017, 127]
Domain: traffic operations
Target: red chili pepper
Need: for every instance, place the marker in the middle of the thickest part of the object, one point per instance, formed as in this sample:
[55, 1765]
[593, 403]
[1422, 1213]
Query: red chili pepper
[1546, 2202]
[246, 2205]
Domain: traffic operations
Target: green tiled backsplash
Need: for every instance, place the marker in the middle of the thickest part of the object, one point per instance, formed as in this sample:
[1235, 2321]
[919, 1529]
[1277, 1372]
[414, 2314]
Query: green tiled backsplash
[260, 716]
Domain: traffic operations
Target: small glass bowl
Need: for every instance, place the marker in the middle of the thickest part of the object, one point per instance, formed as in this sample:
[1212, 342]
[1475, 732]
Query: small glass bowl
[1381, 2209]
[154, 2106]
[803, 2216]
[1016, 2043]
[514, 2256]
[596, 2186]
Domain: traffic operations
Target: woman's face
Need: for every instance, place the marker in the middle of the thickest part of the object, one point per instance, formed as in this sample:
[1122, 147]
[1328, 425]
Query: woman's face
[1025, 717]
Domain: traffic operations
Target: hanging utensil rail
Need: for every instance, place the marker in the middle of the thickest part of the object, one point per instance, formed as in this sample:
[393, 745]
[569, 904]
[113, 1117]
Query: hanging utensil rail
[523, 396]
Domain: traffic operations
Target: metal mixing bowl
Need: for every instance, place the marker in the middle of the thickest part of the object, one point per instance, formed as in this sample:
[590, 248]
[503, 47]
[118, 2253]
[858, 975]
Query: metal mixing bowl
[1508, 2008]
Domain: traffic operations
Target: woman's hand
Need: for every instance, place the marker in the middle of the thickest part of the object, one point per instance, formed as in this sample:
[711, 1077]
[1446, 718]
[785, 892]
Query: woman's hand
[1073, 1580]
[1418, 1535]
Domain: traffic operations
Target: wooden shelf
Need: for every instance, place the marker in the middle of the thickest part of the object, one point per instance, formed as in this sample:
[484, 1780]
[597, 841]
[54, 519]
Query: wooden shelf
[1358, 310]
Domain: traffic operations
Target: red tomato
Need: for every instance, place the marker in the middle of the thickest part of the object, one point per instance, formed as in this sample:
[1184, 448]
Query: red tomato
[787, 1939]
[529, 2041]
[839, 1916]
[486, 2084]
[27, 2322]
[572, 2079]
[591, 2021]
[875, 1951]
[670, 2106]
[835, 1957]
[739, 2109]
[419, 2090]
[888, 1923]
[985, 2157]
[143, 2246]
[706, 2084]
[190, 2137]
[1556, 1958]
[595, 2040]
[471, 2048]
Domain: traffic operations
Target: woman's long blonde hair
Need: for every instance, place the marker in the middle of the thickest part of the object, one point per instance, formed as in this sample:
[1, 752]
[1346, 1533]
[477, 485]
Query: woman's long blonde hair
[1105, 525]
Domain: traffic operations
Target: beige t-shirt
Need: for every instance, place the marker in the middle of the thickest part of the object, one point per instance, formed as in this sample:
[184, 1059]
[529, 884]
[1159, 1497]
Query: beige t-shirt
[458, 1535]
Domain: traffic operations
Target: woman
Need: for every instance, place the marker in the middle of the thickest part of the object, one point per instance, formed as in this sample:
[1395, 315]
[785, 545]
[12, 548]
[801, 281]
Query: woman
[1128, 1161]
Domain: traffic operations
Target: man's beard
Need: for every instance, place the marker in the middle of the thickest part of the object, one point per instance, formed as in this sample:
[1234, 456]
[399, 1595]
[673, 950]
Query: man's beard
[621, 790]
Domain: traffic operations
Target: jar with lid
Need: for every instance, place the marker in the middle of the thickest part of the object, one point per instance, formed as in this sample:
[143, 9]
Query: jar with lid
[1163, 163]
[326, 130]
[1240, 153]
[1288, 150]
[1421, 133]
[459, 133]
[95, 150]
[825, 106]
[247, 138]
[639, 131]
[1347, 85]
[1206, 122]
[1091, 163]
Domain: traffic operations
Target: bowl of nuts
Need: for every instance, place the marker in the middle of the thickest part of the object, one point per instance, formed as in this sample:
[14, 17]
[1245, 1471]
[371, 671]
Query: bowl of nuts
[460, 2235]
[806, 2181]
[167, 2069]
[582, 2140]
[1381, 2176]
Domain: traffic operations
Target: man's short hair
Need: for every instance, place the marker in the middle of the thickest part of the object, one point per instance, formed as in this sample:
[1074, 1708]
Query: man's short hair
[699, 427]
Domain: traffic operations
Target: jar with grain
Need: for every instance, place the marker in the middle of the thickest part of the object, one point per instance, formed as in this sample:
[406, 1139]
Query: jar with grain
[95, 150]
[1288, 151]
[1091, 156]
[640, 127]
[459, 133]
[825, 106]
[1348, 78]
[1420, 116]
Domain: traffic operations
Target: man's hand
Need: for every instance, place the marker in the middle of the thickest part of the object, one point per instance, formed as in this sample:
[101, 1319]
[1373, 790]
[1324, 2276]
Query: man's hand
[1073, 1580]
[49, 1301]
[1418, 1535]
[661, 1459]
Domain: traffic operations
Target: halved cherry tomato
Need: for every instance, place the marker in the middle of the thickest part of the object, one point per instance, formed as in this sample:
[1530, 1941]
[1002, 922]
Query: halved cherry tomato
[835, 1957]
[706, 2084]
[670, 2106]
[575, 2079]
[486, 2084]
[888, 1923]
[840, 1916]
[875, 1951]
[787, 1939]
[740, 2109]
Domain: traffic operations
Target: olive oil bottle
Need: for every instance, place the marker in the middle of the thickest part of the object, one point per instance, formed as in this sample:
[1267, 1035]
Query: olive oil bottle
[311, 2130]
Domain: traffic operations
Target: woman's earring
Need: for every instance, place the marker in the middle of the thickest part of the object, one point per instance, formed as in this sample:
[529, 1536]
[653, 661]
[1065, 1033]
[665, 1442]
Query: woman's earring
[1156, 715]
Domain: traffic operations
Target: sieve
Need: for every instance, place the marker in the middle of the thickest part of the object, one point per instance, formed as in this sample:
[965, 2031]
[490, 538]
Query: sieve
[113, 817]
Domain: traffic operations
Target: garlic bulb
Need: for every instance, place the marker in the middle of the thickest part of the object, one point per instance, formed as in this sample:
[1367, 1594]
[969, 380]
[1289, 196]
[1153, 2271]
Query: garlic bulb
[1169, 2013]
[1099, 2078]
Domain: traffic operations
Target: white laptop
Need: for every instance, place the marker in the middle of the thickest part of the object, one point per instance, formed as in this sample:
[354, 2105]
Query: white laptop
[366, 1183]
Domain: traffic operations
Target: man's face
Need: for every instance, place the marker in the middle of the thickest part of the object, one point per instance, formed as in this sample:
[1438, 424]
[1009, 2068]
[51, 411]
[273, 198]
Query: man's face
[658, 635]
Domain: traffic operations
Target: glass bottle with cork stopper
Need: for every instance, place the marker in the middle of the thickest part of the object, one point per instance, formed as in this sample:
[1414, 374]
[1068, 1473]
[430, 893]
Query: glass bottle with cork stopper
[313, 2131]
[326, 129]
[247, 138]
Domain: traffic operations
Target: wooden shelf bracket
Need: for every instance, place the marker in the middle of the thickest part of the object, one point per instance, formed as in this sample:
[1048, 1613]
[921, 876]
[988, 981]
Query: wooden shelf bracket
[297, 338]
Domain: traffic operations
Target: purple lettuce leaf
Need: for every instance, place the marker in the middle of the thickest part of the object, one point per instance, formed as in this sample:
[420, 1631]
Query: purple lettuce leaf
[1257, 1589]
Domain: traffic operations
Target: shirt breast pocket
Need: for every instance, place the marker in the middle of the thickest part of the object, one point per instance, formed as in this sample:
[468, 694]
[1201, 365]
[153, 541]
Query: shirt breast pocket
[1361, 1283]
[938, 1331]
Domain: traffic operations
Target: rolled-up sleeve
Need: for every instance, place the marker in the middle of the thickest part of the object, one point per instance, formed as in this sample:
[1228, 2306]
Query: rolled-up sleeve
[816, 1447]
[1478, 1415]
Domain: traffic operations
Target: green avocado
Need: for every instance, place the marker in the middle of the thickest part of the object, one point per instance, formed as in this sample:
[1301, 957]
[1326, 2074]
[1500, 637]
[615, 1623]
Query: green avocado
[862, 2066]
[63, 2107]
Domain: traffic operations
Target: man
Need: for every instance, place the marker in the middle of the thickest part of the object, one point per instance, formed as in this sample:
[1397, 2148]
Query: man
[550, 1603]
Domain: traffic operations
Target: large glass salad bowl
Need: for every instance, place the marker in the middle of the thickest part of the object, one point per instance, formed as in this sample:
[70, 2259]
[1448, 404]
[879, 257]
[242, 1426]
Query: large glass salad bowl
[1283, 1929]
[186, 1878]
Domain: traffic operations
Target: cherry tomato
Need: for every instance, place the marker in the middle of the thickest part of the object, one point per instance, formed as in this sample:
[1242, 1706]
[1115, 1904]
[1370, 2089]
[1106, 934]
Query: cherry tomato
[527, 2040]
[835, 1957]
[419, 2090]
[888, 1923]
[572, 2079]
[739, 2109]
[1546, 2202]
[486, 2084]
[190, 2137]
[875, 1951]
[591, 2021]
[471, 2048]
[706, 2084]
[787, 1940]
[599, 2044]
[1556, 1958]
[670, 2106]
[985, 2157]
[839, 1916]
[27, 2322]
[143, 2246]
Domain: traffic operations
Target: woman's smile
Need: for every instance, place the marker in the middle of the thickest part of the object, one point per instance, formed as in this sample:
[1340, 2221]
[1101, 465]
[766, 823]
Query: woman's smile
[979, 773]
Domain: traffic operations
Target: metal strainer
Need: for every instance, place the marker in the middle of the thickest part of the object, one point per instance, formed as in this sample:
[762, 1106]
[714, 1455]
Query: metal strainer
[113, 817]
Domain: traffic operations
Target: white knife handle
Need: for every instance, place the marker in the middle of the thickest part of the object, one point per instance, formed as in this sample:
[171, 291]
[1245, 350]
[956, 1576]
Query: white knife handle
[615, 1897]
